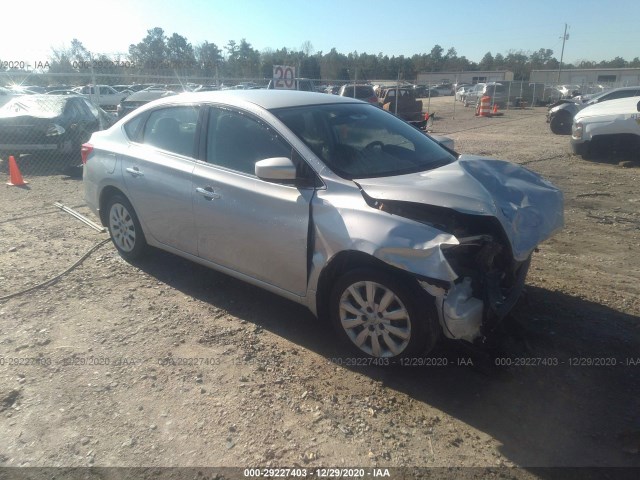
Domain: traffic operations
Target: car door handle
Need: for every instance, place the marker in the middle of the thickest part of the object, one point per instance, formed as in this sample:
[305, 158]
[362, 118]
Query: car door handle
[135, 172]
[208, 193]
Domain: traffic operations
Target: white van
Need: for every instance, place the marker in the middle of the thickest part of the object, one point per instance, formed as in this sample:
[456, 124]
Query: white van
[611, 124]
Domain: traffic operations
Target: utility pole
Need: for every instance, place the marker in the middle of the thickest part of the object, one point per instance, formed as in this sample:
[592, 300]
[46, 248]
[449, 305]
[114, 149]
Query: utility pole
[565, 37]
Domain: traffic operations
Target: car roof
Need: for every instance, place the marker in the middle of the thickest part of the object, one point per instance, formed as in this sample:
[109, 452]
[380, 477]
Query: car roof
[267, 99]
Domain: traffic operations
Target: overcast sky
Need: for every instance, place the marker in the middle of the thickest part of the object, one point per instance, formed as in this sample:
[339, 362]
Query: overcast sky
[598, 30]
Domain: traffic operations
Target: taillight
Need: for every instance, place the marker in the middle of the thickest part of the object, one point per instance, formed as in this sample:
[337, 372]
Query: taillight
[373, 100]
[86, 149]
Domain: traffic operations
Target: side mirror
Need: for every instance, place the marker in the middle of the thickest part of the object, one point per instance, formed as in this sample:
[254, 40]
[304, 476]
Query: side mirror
[277, 169]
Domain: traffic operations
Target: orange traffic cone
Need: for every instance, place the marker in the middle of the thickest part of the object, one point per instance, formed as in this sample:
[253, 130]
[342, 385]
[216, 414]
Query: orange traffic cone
[15, 177]
[495, 109]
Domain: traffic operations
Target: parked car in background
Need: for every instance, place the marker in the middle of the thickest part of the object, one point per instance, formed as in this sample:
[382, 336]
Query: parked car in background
[177, 87]
[402, 102]
[103, 95]
[328, 202]
[140, 86]
[123, 89]
[61, 92]
[607, 127]
[568, 91]
[301, 84]
[137, 99]
[54, 124]
[551, 95]
[496, 91]
[27, 89]
[462, 91]
[560, 117]
[361, 92]
[444, 89]
[207, 88]
[473, 94]
[63, 86]
[424, 91]
[6, 95]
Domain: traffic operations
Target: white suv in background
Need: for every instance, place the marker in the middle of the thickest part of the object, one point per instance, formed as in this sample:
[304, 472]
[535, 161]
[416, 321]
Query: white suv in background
[612, 125]
[103, 95]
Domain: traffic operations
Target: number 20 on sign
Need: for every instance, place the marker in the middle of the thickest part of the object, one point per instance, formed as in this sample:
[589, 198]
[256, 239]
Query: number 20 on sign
[284, 77]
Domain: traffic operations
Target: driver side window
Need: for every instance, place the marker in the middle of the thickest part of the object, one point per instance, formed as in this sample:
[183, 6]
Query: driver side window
[237, 141]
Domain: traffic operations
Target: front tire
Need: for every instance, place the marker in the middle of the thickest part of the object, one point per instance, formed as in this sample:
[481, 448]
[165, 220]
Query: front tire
[124, 227]
[382, 315]
[561, 123]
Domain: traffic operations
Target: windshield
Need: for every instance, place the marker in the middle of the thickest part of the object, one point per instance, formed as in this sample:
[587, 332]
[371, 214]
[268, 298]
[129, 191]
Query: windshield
[363, 141]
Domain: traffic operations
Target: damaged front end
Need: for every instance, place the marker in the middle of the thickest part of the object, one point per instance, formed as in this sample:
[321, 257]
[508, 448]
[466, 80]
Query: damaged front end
[508, 211]
[489, 279]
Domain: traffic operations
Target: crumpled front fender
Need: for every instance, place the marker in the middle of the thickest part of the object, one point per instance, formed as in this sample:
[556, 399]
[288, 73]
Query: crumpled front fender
[345, 223]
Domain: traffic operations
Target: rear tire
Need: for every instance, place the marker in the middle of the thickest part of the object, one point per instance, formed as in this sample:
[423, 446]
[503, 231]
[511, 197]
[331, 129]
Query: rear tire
[125, 229]
[380, 314]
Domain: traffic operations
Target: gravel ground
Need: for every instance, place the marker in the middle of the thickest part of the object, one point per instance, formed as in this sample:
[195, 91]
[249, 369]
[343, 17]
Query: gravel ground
[166, 363]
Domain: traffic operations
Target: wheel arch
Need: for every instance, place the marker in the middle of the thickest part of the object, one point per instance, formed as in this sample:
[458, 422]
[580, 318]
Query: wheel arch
[344, 262]
[105, 195]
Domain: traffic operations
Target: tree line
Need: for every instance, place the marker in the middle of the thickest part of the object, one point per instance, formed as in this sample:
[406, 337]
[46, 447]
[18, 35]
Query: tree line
[160, 55]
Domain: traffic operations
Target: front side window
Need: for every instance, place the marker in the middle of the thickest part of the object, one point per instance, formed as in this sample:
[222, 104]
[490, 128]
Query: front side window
[362, 141]
[172, 129]
[237, 141]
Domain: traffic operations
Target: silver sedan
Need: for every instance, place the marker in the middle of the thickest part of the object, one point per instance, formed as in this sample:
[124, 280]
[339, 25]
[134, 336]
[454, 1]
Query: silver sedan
[329, 202]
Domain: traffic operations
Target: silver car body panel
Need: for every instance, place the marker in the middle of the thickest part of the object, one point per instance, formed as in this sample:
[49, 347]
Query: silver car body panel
[344, 222]
[281, 238]
[529, 208]
[166, 212]
[231, 222]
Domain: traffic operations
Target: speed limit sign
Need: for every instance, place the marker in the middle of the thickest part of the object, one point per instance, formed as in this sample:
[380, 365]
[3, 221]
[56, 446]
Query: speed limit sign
[284, 78]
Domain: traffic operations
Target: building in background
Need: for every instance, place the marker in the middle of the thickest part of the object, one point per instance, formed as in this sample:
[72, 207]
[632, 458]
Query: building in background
[608, 77]
[472, 77]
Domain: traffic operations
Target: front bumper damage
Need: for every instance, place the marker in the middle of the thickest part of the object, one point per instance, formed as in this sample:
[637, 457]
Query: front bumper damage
[489, 284]
[508, 211]
[467, 315]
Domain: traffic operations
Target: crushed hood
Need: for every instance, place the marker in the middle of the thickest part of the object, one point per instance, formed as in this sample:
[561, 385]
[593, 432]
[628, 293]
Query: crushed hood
[529, 208]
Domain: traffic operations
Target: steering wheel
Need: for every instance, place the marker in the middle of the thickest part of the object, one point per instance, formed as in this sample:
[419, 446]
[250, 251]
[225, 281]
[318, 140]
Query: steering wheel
[374, 144]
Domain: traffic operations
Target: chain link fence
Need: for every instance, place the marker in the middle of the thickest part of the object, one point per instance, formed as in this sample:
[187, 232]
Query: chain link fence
[45, 120]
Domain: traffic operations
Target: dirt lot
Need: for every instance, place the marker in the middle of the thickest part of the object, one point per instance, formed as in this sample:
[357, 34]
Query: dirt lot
[86, 377]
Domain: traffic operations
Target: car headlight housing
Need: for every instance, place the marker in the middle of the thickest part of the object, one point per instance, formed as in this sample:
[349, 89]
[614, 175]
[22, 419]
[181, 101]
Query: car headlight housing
[577, 130]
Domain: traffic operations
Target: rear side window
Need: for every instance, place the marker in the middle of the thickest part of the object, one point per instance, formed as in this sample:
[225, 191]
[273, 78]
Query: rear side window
[172, 129]
[132, 128]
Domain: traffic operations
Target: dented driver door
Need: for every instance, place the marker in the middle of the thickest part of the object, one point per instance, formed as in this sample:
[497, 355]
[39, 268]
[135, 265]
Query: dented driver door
[248, 225]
